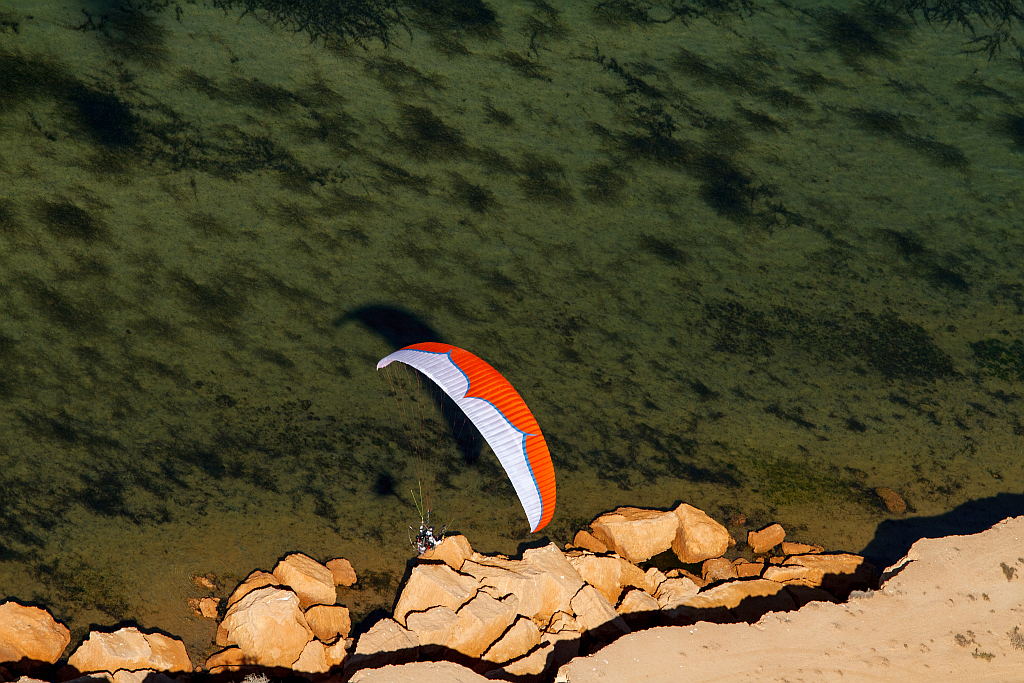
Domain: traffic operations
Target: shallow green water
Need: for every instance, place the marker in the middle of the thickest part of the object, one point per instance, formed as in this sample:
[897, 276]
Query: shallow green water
[762, 264]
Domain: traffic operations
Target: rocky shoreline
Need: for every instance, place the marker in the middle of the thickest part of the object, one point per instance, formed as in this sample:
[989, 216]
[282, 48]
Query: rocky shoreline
[528, 619]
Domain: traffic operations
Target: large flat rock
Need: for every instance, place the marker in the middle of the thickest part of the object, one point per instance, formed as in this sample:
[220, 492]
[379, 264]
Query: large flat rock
[953, 612]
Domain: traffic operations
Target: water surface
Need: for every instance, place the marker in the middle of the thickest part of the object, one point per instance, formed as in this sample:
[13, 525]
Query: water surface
[759, 261]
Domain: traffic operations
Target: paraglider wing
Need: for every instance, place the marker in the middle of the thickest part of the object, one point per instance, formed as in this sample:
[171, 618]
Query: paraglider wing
[499, 413]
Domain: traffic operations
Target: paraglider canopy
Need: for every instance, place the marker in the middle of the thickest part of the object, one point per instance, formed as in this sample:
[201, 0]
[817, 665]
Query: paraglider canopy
[497, 410]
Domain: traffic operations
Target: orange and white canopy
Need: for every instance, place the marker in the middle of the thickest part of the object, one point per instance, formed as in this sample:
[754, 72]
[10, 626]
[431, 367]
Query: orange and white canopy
[500, 414]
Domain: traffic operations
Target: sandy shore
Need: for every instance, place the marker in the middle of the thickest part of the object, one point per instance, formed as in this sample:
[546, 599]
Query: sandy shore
[951, 610]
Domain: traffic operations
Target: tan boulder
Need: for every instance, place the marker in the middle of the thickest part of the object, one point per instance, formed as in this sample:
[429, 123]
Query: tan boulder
[387, 642]
[519, 639]
[563, 635]
[698, 537]
[841, 573]
[312, 660]
[30, 633]
[258, 579]
[764, 540]
[434, 628]
[341, 571]
[481, 621]
[634, 533]
[228, 659]
[453, 551]
[559, 644]
[529, 667]
[337, 652]
[543, 581]
[130, 649]
[140, 676]
[221, 639]
[607, 573]
[636, 600]
[795, 574]
[584, 539]
[269, 627]
[638, 609]
[512, 577]
[597, 616]
[789, 548]
[679, 572]
[673, 592]
[734, 601]
[329, 621]
[562, 581]
[432, 585]
[718, 569]
[653, 578]
[310, 580]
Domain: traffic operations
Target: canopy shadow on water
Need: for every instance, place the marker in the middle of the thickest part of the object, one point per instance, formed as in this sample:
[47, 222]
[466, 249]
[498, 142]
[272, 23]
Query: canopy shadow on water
[400, 328]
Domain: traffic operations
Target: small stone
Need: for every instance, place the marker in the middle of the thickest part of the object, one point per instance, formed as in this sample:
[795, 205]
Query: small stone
[329, 622]
[584, 539]
[718, 569]
[204, 607]
[800, 548]
[680, 572]
[336, 653]
[764, 540]
[738, 520]
[796, 574]
[342, 572]
[746, 570]
[653, 578]
[206, 582]
[453, 551]
[894, 502]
